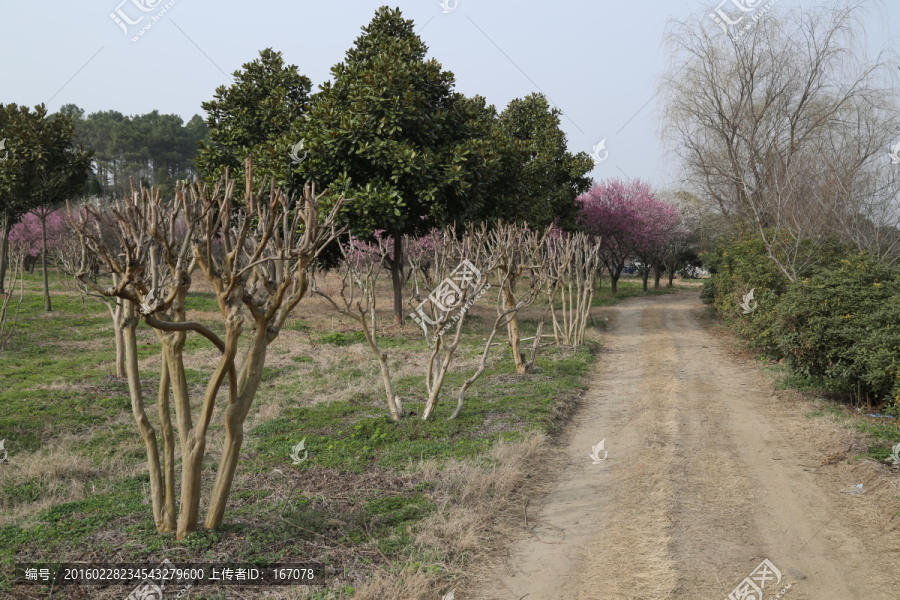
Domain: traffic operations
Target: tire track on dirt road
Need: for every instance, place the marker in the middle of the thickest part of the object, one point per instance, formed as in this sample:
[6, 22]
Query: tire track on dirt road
[698, 488]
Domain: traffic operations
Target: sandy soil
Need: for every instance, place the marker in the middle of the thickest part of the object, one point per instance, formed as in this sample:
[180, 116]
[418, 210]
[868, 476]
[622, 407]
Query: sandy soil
[709, 472]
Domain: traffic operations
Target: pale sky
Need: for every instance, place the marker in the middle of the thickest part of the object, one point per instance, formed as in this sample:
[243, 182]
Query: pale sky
[599, 62]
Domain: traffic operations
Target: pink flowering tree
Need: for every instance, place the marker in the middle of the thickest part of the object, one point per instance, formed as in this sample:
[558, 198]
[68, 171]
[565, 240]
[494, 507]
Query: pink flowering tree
[41, 231]
[630, 221]
[661, 222]
[27, 232]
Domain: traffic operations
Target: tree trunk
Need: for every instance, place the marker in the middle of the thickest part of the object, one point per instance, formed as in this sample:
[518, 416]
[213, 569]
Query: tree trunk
[645, 275]
[657, 274]
[5, 226]
[614, 274]
[120, 343]
[397, 277]
[512, 329]
[147, 432]
[671, 276]
[395, 406]
[116, 315]
[47, 306]
[235, 414]
[168, 435]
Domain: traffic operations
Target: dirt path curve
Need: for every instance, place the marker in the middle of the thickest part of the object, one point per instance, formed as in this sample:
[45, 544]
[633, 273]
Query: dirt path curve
[701, 484]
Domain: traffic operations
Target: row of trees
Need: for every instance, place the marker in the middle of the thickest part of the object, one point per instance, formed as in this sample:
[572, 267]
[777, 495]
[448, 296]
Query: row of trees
[635, 225]
[390, 131]
[259, 254]
[155, 149]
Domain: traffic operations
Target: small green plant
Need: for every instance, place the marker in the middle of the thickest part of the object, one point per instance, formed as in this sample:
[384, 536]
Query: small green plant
[339, 338]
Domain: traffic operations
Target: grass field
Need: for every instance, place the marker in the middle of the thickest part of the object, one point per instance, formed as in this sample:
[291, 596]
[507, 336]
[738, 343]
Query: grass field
[375, 500]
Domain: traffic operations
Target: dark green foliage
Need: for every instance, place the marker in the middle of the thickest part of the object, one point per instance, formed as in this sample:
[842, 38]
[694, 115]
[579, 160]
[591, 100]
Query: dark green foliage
[255, 116]
[843, 325]
[551, 177]
[737, 268]
[390, 132]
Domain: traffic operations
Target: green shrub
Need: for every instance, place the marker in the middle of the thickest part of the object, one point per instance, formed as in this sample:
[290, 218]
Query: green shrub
[737, 268]
[708, 292]
[843, 325]
[839, 324]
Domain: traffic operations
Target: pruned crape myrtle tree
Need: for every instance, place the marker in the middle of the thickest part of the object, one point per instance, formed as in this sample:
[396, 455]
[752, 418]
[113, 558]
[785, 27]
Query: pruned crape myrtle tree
[573, 260]
[463, 266]
[9, 308]
[520, 251]
[71, 261]
[255, 254]
[362, 263]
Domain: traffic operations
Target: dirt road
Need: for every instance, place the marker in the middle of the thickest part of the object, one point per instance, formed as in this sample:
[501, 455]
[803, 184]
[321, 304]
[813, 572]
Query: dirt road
[709, 472]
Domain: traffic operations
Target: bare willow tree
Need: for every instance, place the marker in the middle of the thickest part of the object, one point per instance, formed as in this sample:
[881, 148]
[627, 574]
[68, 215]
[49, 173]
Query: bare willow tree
[255, 254]
[359, 273]
[784, 127]
[573, 260]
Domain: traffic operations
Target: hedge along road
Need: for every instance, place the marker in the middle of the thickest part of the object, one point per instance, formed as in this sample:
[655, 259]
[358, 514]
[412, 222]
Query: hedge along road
[704, 480]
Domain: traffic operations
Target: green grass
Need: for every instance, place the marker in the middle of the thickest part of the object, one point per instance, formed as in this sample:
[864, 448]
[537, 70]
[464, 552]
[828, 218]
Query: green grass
[628, 287]
[58, 379]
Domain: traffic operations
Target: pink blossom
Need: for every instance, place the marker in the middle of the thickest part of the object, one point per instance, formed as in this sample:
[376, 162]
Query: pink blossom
[27, 231]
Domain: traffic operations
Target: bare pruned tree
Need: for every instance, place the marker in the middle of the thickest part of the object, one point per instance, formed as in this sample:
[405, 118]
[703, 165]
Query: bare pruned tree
[256, 256]
[71, 261]
[359, 273]
[573, 260]
[9, 310]
[783, 128]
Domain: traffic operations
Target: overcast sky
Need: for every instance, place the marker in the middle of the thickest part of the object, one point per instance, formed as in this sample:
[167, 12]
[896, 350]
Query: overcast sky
[598, 61]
